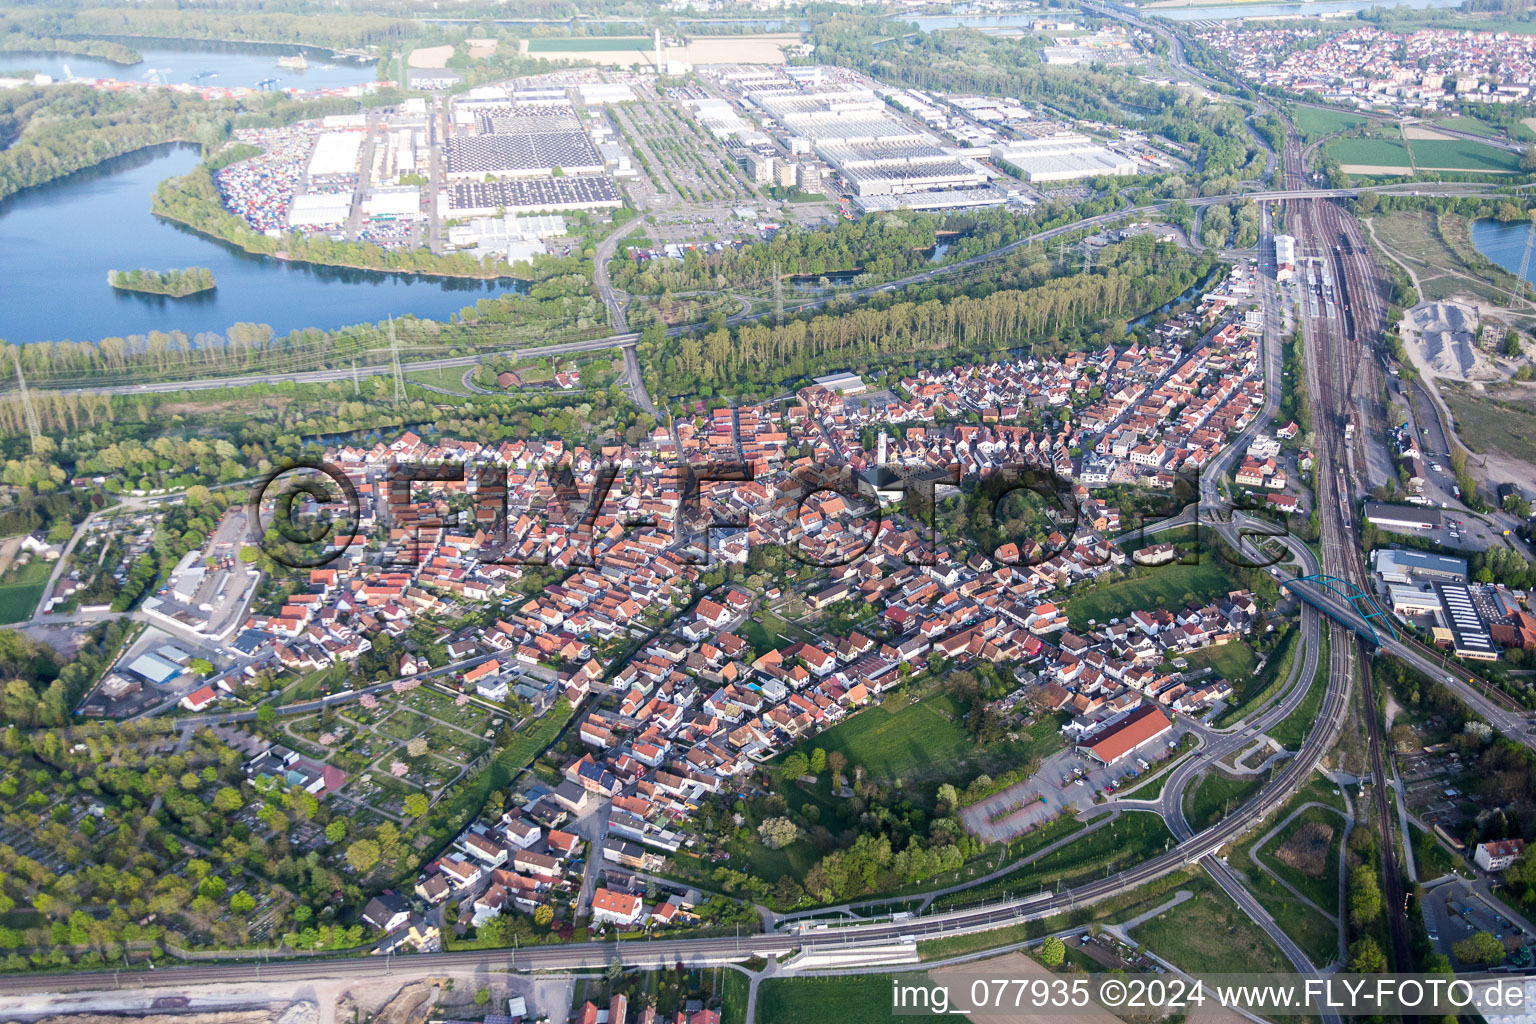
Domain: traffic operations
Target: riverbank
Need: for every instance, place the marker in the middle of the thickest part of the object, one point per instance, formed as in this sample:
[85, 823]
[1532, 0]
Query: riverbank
[192, 201]
[101, 49]
[175, 284]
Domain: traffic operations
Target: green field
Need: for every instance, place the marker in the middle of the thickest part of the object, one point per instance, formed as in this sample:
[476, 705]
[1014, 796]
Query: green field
[1210, 935]
[590, 44]
[1258, 689]
[1215, 795]
[1470, 124]
[1315, 934]
[21, 589]
[448, 378]
[1293, 728]
[1370, 152]
[1430, 859]
[1165, 586]
[1134, 837]
[1231, 661]
[927, 740]
[1324, 890]
[848, 999]
[1324, 122]
[1462, 155]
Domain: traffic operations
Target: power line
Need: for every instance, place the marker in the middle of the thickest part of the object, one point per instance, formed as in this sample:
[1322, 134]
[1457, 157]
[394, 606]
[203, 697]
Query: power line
[33, 427]
[394, 358]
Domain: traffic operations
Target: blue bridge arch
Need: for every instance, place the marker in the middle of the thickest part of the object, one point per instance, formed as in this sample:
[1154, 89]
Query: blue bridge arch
[1365, 605]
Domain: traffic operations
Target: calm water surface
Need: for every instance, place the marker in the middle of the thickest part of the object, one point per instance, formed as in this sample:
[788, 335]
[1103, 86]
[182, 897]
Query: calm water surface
[1504, 243]
[202, 65]
[58, 241]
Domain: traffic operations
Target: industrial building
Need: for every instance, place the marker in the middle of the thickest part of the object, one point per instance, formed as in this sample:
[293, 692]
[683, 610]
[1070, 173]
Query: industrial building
[512, 156]
[1402, 517]
[524, 118]
[335, 155]
[1119, 739]
[1062, 158]
[844, 382]
[512, 236]
[759, 168]
[1408, 600]
[319, 211]
[897, 168]
[399, 203]
[598, 93]
[1285, 257]
[1395, 566]
[947, 199]
[1465, 632]
[553, 195]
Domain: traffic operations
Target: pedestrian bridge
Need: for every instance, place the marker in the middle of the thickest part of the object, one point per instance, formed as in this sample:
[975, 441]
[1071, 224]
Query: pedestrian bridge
[1325, 593]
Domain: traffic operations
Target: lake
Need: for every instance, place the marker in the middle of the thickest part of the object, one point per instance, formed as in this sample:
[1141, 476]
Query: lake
[205, 65]
[58, 241]
[1503, 243]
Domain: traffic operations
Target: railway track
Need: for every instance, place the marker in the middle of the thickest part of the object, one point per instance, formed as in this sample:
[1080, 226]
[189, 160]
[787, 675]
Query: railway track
[1338, 355]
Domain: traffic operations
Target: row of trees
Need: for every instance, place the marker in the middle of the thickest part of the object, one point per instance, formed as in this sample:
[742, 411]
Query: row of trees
[1129, 279]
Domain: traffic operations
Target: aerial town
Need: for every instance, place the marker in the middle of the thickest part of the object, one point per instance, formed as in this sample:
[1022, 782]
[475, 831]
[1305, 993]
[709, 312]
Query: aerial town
[735, 515]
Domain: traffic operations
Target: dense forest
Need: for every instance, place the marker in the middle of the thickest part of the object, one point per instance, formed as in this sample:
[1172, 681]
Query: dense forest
[47, 133]
[20, 41]
[1055, 313]
[349, 30]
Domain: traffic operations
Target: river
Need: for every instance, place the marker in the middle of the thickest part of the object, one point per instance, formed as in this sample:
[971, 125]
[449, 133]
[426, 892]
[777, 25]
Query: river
[1503, 242]
[205, 64]
[58, 241]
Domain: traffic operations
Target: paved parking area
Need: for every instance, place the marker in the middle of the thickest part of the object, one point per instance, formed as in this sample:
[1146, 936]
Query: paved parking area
[1453, 912]
[1019, 808]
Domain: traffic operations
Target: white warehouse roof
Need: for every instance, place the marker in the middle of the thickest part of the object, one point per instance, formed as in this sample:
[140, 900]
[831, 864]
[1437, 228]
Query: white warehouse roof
[335, 153]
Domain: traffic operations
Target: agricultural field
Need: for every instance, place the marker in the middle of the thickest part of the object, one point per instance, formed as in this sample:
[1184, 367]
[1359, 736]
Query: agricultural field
[590, 44]
[1387, 157]
[1463, 155]
[1392, 156]
[846, 999]
[1471, 125]
[1324, 122]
